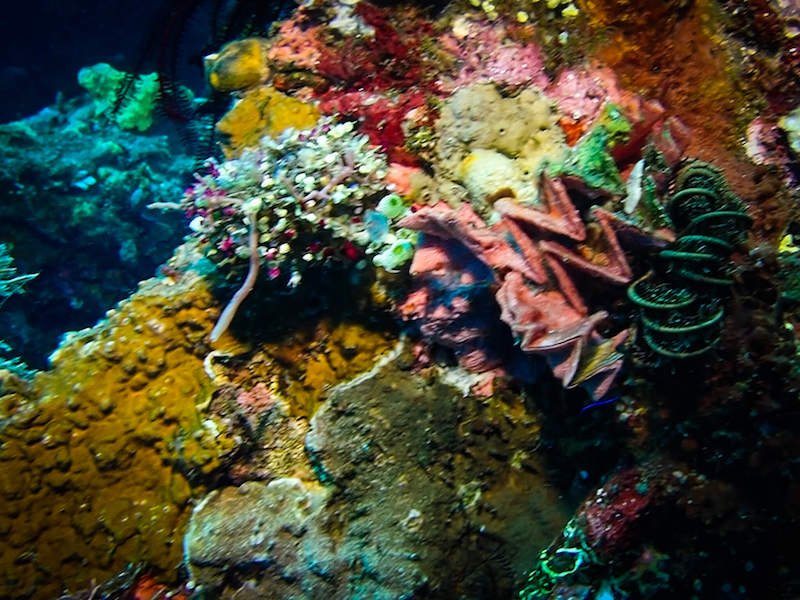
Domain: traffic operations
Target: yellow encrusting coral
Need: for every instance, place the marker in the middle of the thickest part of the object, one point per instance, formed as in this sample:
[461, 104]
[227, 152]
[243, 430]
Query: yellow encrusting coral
[97, 455]
[263, 111]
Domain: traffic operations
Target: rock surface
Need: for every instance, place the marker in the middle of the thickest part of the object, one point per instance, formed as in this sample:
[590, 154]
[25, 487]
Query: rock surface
[411, 469]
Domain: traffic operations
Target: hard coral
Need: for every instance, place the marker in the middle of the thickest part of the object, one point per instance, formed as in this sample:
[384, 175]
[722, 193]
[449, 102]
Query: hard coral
[99, 456]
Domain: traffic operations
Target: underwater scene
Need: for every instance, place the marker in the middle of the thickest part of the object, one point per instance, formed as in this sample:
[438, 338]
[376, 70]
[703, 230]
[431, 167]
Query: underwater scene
[400, 300]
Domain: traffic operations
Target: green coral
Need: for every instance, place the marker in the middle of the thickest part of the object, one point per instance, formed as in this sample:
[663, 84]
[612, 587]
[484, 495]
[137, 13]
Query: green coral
[616, 125]
[591, 162]
[566, 558]
[103, 82]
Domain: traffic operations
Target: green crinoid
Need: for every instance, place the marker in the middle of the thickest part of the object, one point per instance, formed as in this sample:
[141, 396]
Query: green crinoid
[680, 309]
[675, 321]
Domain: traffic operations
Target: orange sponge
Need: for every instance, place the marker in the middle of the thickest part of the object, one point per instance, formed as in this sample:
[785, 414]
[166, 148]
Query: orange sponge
[263, 111]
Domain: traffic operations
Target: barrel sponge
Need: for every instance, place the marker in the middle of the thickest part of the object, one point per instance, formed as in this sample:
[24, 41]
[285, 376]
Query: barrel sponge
[488, 175]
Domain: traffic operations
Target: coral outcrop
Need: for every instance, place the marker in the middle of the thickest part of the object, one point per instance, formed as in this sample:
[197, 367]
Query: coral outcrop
[100, 452]
[426, 223]
[401, 487]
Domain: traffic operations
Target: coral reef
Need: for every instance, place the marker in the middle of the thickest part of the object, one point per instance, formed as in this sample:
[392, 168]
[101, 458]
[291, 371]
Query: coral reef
[512, 310]
[548, 321]
[491, 143]
[11, 283]
[73, 193]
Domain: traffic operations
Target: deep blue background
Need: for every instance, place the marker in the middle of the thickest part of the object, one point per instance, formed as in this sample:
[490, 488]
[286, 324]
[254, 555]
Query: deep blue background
[46, 42]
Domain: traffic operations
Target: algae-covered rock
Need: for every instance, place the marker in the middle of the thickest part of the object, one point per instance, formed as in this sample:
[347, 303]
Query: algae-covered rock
[426, 493]
[273, 527]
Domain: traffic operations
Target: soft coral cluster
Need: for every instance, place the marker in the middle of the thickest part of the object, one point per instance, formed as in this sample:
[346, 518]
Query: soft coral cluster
[307, 198]
[524, 253]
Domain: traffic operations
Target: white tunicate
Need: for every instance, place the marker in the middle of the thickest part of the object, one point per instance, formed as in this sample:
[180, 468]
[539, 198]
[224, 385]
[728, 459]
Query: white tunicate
[294, 279]
[391, 206]
[395, 255]
[309, 184]
[252, 206]
[634, 187]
